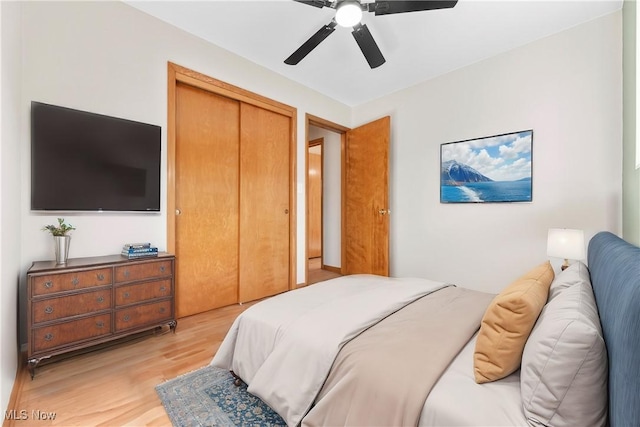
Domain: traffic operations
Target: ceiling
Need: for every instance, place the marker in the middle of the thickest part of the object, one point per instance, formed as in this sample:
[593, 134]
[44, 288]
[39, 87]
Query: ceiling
[417, 46]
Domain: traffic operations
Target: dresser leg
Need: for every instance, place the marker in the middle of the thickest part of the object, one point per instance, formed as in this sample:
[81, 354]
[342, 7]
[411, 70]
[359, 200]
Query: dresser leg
[32, 363]
[173, 325]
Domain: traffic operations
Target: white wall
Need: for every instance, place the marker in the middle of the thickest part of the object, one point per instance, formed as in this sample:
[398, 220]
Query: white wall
[109, 58]
[331, 195]
[10, 217]
[631, 174]
[568, 89]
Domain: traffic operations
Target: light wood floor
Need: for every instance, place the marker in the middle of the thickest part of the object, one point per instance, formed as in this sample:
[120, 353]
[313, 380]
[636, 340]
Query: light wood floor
[317, 274]
[115, 386]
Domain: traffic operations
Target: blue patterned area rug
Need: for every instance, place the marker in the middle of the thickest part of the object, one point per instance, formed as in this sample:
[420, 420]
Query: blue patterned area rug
[208, 397]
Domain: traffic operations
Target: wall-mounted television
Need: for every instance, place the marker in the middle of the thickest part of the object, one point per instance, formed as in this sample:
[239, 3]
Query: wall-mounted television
[82, 161]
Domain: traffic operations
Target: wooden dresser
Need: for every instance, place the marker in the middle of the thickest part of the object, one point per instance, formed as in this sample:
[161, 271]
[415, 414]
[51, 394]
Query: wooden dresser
[94, 300]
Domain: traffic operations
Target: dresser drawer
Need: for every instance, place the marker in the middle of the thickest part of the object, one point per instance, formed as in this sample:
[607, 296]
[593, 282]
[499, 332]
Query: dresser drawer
[143, 314]
[72, 305]
[147, 270]
[59, 282]
[48, 337]
[131, 294]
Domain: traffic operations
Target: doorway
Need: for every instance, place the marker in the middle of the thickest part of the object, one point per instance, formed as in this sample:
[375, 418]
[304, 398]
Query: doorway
[314, 197]
[324, 206]
[355, 198]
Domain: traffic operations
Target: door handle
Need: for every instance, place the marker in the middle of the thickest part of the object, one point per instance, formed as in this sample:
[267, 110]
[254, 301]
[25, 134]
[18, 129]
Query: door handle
[384, 211]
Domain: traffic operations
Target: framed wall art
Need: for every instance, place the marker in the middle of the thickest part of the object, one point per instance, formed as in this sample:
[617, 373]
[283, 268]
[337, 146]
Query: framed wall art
[492, 169]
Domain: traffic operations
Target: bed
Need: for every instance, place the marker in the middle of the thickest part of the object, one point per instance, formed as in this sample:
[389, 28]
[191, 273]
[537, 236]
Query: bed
[367, 350]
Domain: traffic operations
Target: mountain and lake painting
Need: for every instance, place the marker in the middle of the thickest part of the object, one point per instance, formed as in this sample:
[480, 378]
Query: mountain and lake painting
[490, 169]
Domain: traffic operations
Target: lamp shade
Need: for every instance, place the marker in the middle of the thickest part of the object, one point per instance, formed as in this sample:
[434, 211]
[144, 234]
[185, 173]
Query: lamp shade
[565, 243]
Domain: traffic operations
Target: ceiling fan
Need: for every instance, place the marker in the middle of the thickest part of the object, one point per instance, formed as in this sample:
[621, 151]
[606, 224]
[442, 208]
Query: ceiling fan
[349, 14]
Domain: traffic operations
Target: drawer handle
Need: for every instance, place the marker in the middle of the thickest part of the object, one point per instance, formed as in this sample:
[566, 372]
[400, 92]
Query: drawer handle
[162, 269]
[48, 337]
[48, 284]
[100, 299]
[126, 318]
[162, 310]
[100, 324]
[126, 273]
[48, 309]
[100, 276]
[125, 295]
[75, 281]
[163, 288]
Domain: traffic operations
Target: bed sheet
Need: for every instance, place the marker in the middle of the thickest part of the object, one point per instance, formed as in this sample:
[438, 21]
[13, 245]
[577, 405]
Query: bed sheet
[457, 400]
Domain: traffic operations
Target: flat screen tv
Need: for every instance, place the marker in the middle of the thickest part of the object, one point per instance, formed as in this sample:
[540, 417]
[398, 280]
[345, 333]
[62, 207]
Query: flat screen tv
[490, 169]
[83, 161]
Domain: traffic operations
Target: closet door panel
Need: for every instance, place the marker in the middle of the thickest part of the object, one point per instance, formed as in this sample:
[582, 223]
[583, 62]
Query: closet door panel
[207, 150]
[264, 203]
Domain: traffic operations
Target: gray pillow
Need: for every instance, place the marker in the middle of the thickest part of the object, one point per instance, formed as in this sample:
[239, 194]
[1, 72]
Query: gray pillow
[575, 273]
[563, 378]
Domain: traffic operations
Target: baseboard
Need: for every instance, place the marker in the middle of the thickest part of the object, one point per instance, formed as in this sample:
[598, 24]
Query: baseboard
[332, 269]
[21, 377]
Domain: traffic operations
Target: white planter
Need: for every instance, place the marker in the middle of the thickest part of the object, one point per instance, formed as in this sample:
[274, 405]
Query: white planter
[62, 248]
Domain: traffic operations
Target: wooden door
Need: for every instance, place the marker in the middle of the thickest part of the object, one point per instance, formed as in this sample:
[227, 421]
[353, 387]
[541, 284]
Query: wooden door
[206, 194]
[264, 210]
[366, 199]
[315, 203]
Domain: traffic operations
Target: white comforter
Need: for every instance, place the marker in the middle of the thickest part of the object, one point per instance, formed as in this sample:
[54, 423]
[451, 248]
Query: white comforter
[283, 347]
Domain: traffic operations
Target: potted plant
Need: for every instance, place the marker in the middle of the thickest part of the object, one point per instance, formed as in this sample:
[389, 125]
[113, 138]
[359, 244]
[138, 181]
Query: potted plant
[61, 239]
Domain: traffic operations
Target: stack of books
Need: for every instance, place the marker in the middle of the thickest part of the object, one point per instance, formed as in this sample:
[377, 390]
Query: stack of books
[139, 250]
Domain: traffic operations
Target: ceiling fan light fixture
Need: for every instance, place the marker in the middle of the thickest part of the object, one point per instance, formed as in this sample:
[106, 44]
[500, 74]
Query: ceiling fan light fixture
[349, 13]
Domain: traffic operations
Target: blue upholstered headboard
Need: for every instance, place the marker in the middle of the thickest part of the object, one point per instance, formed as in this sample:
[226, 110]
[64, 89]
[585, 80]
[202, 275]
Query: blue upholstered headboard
[614, 266]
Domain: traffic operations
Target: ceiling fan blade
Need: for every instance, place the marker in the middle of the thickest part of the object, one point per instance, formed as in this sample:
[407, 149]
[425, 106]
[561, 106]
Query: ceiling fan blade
[368, 45]
[316, 3]
[312, 43]
[387, 7]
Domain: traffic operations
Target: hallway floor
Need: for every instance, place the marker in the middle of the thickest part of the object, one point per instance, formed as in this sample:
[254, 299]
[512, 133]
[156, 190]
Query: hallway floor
[317, 274]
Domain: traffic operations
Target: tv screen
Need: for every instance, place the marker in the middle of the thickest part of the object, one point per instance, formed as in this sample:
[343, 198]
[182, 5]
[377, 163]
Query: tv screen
[83, 161]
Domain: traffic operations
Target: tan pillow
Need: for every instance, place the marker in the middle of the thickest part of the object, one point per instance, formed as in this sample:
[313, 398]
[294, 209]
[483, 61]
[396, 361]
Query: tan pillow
[507, 323]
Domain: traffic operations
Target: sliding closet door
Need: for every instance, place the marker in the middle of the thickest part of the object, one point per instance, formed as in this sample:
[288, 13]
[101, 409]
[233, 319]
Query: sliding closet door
[206, 194]
[264, 202]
